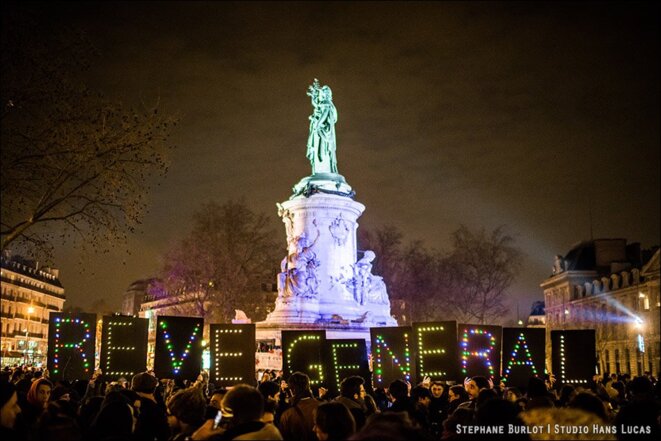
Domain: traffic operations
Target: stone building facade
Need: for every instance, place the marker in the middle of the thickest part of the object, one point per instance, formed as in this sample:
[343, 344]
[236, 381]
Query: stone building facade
[612, 287]
[29, 295]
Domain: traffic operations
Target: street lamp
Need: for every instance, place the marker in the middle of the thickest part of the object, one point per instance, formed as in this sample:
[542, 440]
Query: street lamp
[27, 333]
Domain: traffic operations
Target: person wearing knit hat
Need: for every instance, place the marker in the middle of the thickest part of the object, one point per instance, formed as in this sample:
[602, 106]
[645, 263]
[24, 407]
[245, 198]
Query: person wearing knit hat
[9, 409]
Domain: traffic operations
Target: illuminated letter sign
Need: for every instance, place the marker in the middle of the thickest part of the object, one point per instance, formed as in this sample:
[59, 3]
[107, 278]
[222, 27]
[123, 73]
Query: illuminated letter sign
[573, 357]
[523, 355]
[232, 354]
[436, 350]
[348, 358]
[391, 354]
[479, 349]
[123, 346]
[178, 351]
[71, 343]
[303, 351]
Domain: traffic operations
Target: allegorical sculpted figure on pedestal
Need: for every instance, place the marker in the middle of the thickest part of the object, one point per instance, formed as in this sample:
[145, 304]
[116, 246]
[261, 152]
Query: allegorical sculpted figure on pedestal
[298, 276]
[321, 140]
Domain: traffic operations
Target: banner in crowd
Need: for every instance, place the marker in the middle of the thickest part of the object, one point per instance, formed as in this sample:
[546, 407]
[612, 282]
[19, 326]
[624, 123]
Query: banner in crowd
[479, 350]
[524, 355]
[436, 349]
[303, 351]
[71, 345]
[178, 351]
[232, 349]
[439, 350]
[123, 346]
[573, 357]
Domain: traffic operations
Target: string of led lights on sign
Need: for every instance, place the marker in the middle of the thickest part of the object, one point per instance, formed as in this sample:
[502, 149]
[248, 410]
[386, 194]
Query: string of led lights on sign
[520, 343]
[76, 346]
[405, 368]
[486, 354]
[178, 363]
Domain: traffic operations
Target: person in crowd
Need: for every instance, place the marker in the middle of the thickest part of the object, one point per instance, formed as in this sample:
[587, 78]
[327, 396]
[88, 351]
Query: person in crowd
[484, 396]
[618, 397]
[333, 422]
[269, 391]
[473, 387]
[246, 405]
[216, 399]
[538, 395]
[185, 411]
[296, 422]
[567, 393]
[8, 411]
[456, 396]
[152, 423]
[87, 413]
[58, 423]
[350, 392]
[642, 410]
[565, 417]
[589, 402]
[438, 407]
[398, 391]
[115, 420]
[34, 405]
[390, 426]
[421, 398]
[499, 412]
[381, 399]
[370, 403]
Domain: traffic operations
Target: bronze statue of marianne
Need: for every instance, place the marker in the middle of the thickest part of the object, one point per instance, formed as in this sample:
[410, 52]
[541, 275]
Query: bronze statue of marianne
[321, 139]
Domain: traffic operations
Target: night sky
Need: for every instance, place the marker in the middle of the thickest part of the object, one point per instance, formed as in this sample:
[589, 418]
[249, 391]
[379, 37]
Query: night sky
[485, 114]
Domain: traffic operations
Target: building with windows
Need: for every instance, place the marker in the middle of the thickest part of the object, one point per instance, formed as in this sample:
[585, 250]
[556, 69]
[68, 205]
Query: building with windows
[134, 296]
[612, 287]
[29, 295]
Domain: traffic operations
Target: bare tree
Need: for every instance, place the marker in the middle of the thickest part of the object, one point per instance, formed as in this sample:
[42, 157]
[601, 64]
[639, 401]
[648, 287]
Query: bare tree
[468, 283]
[221, 265]
[411, 272]
[73, 164]
[480, 268]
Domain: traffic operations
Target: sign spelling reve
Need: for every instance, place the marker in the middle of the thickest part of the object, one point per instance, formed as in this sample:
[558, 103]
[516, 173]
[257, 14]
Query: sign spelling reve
[232, 354]
[71, 343]
[123, 346]
[178, 351]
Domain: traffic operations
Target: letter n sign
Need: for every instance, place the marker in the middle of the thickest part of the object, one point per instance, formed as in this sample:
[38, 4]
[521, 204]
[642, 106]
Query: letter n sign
[392, 354]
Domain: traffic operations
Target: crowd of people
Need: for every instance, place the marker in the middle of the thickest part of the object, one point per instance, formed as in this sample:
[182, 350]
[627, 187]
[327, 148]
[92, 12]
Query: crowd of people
[275, 408]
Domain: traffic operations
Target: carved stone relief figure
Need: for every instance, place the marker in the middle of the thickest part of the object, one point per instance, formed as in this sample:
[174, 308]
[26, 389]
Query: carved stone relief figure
[339, 230]
[299, 269]
[288, 218]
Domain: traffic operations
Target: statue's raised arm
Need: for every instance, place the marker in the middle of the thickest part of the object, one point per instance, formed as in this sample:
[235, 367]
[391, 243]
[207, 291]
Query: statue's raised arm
[321, 146]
